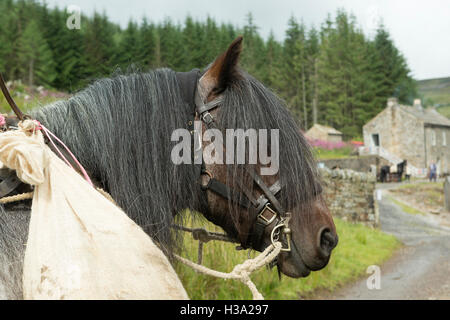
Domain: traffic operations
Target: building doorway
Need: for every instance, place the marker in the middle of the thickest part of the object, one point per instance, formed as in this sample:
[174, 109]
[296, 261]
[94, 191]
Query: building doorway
[376, 139]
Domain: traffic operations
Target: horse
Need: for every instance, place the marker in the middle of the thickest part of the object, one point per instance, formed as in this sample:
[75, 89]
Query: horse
[120, 128]
[400, 169]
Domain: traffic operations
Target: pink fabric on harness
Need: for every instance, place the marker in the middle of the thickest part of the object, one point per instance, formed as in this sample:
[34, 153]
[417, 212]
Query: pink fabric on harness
[49, 135]
[2, 120]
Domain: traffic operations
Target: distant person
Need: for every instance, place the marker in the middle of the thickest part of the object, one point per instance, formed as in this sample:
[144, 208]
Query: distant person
[433, 171]
[408, 173]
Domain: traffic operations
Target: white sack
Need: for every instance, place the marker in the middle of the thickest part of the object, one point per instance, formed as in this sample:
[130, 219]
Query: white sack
[80, 245]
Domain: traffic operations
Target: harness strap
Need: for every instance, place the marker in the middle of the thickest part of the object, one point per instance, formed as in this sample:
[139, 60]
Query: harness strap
[263, 215]
[227, 193]
[267, 192]
[204, 107]
[9, 184]
[4, 173]
[10, 100]
[187, 82]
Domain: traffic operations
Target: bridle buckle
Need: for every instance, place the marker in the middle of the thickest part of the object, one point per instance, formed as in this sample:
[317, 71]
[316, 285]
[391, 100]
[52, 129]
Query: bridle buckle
[207, 117]
[265, 220]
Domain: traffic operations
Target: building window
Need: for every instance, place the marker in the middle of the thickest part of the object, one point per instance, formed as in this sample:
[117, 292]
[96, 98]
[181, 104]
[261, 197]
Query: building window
[444, 138]
[376, 139]
[433, 137]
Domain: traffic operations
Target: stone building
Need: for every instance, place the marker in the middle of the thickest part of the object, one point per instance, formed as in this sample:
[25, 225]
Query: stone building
[410, 133]
[324, 133]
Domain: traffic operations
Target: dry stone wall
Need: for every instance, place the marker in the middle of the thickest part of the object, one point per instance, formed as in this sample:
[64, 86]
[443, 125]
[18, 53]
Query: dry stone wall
[351, 195]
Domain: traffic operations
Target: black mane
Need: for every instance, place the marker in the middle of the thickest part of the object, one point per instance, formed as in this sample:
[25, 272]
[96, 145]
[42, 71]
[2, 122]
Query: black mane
[120, 129]
[249, 104]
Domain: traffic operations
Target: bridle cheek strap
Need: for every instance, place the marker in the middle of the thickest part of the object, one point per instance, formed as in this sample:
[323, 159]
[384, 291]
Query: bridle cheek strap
[266, 209]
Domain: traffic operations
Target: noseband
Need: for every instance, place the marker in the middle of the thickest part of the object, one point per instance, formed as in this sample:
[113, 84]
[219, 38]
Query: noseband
[266, 209]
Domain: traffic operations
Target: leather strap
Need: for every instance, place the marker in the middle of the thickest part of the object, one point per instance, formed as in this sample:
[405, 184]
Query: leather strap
[10, 100]
[263, 215]
[9, 184]
[187, 82]
[267, 192]
[204, 107]
[227, 193]
[263, 220]
[4, 173]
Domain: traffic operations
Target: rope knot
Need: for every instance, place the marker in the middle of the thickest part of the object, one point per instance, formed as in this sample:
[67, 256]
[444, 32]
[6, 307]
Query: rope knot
[30, 126]
[242, 271]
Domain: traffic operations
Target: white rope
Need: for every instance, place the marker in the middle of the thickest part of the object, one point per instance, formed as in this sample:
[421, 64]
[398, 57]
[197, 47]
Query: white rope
[29, 195]
[241, 271]
[16, 198]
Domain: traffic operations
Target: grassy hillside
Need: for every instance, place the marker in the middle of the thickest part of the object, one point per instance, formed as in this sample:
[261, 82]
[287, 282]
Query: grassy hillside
[445, 111]
[436, 92]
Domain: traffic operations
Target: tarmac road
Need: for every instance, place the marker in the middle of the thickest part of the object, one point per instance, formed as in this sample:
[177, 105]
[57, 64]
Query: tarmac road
[419, 270]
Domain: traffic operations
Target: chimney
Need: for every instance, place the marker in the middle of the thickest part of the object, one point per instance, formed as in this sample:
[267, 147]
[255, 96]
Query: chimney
[392, 102]
[418, 104]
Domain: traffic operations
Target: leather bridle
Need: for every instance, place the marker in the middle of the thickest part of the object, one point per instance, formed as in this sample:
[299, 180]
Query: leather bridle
[265, 209]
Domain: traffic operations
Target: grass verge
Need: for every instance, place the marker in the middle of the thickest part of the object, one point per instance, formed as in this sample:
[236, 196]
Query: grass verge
[406, 208]
[337, 153]
[359, 247]
[421, 185]
[419, 198]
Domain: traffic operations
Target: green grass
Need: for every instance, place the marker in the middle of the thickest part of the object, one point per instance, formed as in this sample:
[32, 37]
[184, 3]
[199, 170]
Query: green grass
[421, 184]
[419, 197]
[406, 208]
[25, 105]
[28, 98]
[359, 247]
[340, 153]
[444, 111]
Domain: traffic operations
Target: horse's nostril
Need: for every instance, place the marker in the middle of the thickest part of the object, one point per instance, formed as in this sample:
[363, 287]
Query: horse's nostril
[328, 241]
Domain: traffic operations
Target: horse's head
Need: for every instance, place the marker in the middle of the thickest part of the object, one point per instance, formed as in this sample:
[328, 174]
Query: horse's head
[251, 205]
[251, 198]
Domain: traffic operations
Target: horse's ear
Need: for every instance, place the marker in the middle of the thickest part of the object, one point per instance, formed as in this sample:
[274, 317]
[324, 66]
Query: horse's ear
[223, 70]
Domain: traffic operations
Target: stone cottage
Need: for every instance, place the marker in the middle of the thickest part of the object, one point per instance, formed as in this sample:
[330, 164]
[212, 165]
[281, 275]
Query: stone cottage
[324, 133]
[410, 133]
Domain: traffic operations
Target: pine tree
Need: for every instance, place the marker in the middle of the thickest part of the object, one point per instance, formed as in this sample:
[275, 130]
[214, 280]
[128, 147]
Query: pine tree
[193, 39]
[129, 47]
[101, 52]
[312, 52]
[5, 43]
[35, 56]
[333, 76]
[392, 68]
[293, 70]
[253, 48]
[272, 76]
[147, 44]
[171, 46]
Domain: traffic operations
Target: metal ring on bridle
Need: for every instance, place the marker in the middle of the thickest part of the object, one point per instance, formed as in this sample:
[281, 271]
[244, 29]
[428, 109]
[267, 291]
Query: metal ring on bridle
[286, 231]
[208, 173]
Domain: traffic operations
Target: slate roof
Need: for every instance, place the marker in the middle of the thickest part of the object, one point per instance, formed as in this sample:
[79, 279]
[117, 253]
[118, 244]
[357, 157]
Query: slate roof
[428, 116]
[327, 129]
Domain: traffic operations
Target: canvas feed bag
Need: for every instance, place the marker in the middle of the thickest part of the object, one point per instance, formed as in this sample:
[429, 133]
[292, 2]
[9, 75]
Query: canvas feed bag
[80, 245]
